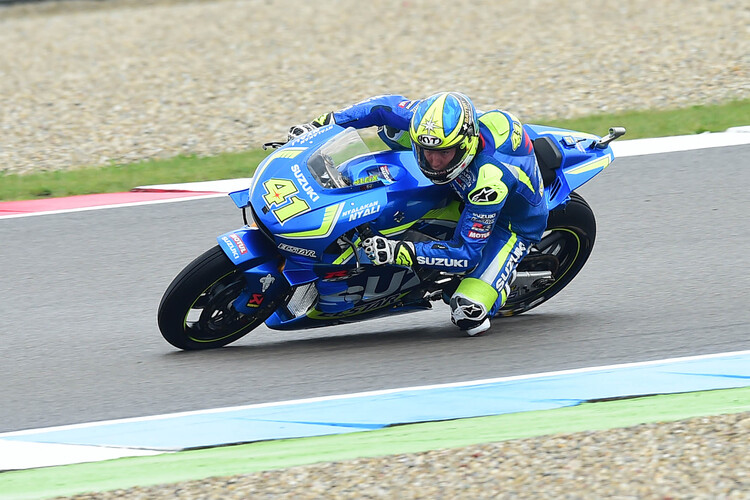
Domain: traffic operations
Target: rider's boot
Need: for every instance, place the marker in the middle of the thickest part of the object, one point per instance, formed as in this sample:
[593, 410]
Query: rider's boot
[479, 329]
[469, 315]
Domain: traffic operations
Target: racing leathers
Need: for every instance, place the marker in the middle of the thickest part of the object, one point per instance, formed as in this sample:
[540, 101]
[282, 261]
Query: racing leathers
[501, 192]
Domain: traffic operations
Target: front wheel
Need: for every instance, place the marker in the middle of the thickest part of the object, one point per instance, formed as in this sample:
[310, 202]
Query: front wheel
[556, 259]
[196, 311]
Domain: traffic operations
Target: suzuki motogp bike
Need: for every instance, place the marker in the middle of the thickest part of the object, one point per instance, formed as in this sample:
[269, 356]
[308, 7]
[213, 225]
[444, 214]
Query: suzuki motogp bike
[297, 261]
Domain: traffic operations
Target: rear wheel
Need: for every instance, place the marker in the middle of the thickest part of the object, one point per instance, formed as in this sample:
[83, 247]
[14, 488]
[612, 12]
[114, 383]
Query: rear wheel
[556, 259]
[196, 311]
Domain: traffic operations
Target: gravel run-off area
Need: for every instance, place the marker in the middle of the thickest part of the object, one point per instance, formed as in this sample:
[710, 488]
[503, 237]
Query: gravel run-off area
[93, 83]
[698, 458]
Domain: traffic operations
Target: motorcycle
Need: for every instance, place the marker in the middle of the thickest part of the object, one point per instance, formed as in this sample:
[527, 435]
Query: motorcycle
[297, 263]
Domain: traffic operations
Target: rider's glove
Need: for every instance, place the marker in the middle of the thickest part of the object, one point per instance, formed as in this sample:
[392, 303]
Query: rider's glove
[299, 130]
[304, 128]
[384, 251]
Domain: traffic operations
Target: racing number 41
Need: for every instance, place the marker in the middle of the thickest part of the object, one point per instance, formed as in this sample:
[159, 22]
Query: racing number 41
[280, 198]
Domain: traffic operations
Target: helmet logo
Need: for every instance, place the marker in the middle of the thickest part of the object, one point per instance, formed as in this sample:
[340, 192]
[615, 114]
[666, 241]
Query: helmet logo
[429, 140]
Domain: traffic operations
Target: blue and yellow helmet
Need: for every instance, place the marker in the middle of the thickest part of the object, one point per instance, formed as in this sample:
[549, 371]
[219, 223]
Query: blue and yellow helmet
[445, 121]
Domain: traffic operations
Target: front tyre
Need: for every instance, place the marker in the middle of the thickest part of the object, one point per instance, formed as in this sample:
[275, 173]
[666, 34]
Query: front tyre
[564, 249]
[196, 311]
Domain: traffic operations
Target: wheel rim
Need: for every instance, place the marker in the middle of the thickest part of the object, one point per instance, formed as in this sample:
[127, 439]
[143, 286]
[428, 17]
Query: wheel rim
[557, 252]
[211, 317]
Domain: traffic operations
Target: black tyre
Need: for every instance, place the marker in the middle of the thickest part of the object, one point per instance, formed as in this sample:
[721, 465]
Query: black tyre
[564, 249]
[196, 311]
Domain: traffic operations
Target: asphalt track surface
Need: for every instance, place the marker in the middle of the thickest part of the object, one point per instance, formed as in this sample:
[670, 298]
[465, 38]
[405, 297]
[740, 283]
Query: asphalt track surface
[79, 292]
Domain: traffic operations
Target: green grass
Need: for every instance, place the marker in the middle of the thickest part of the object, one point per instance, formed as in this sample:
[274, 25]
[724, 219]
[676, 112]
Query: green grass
[685, 121]
[117, 178]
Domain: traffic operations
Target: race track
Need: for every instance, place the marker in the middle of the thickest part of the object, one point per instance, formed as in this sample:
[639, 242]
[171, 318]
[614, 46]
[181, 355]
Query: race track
[79, 295]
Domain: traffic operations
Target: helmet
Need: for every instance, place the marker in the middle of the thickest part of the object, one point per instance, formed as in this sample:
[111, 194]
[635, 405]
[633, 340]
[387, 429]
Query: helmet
[446, 122]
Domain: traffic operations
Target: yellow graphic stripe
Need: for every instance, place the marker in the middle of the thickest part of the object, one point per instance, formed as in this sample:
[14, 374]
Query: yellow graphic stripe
[523, 178]
[286, 153]
[499, 261]
[434, 115]
[347, 254]
[397, 229]
[592, 165]
[330, 217]
[449, 212]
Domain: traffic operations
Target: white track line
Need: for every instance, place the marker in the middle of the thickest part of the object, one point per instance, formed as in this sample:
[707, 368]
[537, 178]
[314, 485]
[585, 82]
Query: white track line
[378, 393]
[117, 205]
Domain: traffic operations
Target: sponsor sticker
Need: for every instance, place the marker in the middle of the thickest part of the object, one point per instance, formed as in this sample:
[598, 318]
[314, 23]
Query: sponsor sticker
[478, 236]
[465, 179]
[429, 140]
[306, 252]
[240, 244]
[386, 173]
[232, 247]
[304, 184]
[336, 275]
[515, 257]
[309, 136]
[366, 180]
[407, 104]
[266, 281]
[255, 300]
[442, 261]
[370, 306]
[361, 211]
[485, 218]
[484, 195]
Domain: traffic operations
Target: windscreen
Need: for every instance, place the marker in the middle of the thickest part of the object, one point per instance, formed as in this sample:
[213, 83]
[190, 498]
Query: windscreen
[327, 163]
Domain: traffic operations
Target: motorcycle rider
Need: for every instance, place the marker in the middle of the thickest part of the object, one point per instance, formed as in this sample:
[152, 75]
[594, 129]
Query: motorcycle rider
[488, 159]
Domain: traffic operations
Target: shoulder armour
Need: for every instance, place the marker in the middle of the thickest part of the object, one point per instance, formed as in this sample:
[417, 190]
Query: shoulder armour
[503, 126]
[490, 188]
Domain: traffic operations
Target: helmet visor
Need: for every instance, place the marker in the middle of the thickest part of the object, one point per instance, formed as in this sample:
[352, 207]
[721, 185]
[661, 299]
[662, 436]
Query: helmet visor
[437, 165]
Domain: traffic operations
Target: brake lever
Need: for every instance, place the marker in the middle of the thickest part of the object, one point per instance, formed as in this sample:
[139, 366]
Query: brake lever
[273, 145]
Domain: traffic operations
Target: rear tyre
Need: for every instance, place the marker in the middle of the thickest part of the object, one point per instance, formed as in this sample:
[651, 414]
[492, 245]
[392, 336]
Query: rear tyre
[564, 249]
[196, 311]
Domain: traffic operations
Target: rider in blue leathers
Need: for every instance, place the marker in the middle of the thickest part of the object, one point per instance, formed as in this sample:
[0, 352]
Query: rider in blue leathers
[489, 161]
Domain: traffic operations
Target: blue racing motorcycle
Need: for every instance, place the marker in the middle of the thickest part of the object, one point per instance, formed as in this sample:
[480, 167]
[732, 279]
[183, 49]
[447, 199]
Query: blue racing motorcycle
[297, 262]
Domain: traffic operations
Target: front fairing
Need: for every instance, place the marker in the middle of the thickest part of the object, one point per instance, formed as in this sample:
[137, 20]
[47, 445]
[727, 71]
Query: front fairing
[305, 212]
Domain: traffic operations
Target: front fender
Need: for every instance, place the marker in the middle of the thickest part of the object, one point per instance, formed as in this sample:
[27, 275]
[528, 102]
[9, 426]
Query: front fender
[260, 262]
[247, 247]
